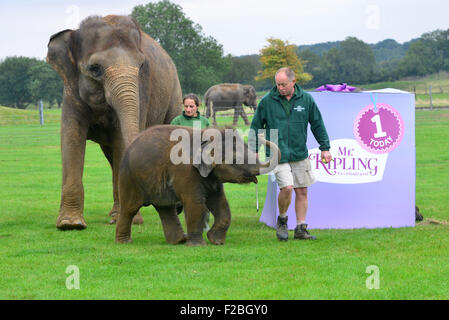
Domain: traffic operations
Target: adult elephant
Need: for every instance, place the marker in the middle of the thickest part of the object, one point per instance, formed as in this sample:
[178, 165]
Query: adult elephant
[117, 82]
[227, 96]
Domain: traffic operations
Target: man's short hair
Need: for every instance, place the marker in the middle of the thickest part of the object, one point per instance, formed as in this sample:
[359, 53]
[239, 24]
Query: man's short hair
[288, 72]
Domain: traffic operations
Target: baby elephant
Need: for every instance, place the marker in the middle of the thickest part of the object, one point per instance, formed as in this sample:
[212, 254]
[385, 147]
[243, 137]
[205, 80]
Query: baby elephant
[167, 165]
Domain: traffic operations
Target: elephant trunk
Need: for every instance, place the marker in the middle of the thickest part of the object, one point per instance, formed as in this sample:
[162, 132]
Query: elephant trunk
[265, 167]
[122, 93]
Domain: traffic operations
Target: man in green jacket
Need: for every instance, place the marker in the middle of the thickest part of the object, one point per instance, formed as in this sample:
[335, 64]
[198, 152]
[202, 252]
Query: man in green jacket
[289, 109]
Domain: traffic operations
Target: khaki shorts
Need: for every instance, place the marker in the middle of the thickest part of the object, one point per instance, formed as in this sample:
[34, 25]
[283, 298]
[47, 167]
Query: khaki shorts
[297, 174]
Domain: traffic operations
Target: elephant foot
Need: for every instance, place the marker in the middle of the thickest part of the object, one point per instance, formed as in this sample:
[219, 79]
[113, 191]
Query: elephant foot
[114, 215]
[216, 236]
[71, 223]
[196, 243]
[177, 239]
[195, 240]
[123, 239]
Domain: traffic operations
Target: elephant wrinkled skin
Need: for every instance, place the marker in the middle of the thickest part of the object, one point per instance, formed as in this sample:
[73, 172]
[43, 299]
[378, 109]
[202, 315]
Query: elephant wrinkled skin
[117, 82]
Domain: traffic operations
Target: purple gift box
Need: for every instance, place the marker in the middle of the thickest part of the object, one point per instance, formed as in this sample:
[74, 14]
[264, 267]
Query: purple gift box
[363, 187]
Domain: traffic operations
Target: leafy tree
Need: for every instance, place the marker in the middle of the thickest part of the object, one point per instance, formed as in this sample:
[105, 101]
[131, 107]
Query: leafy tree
[429, 54]
[200, 60]
[356, 61]
[438, 41]
[353, 62]
[414, 62]
[280, 54]
[386, 70]
[44, 83]
[331, 64]
[319, 48]
[26, 80]
[313, 64]
[388, 50]
[321, 60]
[14, 77]
[244, 69]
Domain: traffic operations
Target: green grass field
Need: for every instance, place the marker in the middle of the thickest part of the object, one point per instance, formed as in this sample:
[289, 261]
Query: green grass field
[252, 264]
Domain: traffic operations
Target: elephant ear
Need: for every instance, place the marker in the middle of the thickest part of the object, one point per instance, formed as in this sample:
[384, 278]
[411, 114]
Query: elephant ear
[61, 54]
[249, 90]
[203, 168]
[252, 90]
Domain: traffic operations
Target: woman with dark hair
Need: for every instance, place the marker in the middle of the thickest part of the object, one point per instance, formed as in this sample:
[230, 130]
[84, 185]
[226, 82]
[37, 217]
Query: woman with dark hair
[190, 114]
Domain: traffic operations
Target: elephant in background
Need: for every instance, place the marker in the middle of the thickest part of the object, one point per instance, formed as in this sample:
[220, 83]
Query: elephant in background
[117, 82]
[151, 174]
[227, 96]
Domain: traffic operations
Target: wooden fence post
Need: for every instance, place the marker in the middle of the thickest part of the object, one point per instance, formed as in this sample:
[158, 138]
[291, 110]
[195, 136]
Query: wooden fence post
[430, 94]
[41, 112]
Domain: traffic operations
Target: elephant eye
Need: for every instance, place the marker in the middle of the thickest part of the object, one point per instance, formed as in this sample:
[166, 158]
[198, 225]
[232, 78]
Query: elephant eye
[95, 70]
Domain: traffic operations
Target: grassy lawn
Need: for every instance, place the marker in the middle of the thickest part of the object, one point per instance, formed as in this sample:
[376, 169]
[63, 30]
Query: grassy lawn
[252, 264]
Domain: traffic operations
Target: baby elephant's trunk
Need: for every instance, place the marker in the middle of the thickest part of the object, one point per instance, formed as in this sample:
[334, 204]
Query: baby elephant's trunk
[268, 166]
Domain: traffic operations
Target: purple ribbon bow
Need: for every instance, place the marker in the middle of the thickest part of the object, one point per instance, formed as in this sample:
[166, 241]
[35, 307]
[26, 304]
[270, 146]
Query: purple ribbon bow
[342, 87]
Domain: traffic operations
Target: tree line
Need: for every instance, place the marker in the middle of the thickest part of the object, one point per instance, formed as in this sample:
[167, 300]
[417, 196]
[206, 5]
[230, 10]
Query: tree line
[201, 62]
[355, 62]
[26, 80]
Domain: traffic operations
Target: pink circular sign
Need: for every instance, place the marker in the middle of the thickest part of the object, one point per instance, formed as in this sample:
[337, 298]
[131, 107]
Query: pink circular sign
[379, 132]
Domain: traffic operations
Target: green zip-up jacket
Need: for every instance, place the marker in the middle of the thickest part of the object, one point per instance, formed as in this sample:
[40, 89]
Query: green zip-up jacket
[291, 118]
[183, 120]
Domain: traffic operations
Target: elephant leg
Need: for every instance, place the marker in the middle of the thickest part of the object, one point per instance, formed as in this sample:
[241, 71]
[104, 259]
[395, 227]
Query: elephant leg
[115, 158]
[218, 205]
[123, 226]
[244, 116]
[171, 225]
[73, 148]
[236, 115]
[130, 203]
[214, 118]
[194, 213]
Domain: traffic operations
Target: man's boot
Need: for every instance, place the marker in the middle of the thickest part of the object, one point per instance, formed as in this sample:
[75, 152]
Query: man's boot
[301, 233]
[282, 229]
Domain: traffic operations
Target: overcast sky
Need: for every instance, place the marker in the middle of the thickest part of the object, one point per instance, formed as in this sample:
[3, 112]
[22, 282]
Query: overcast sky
[241, 26]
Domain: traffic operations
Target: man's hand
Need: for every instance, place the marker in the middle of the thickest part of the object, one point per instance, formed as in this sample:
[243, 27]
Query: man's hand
[326, 157]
